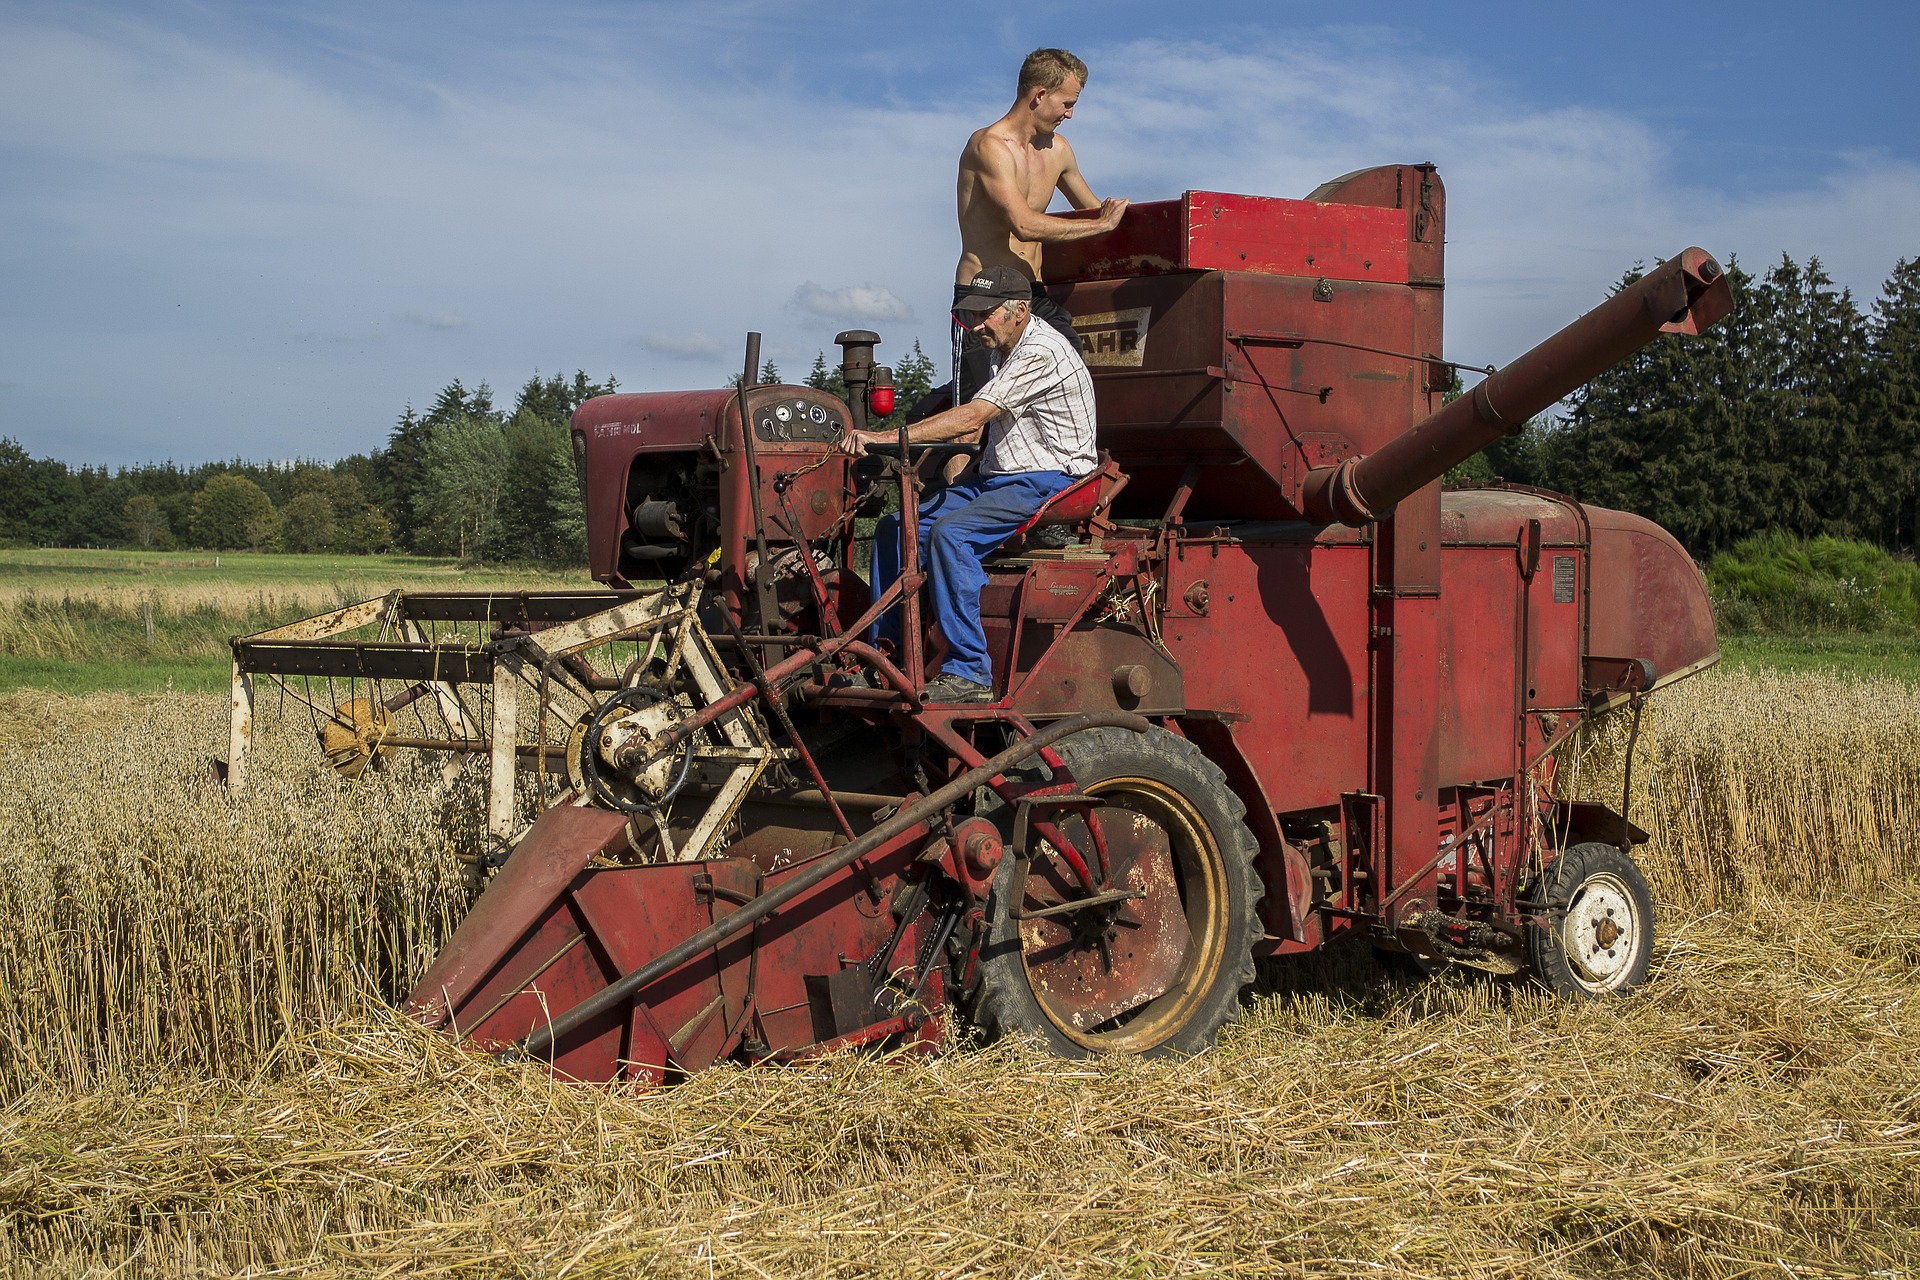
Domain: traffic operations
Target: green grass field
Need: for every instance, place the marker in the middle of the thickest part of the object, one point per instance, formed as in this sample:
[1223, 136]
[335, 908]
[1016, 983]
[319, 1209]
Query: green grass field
[72, 621]
[75, 622]
[1838, 653]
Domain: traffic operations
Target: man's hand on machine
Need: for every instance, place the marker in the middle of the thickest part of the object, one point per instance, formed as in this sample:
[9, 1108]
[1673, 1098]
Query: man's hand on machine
[963, 425]
[856, 442]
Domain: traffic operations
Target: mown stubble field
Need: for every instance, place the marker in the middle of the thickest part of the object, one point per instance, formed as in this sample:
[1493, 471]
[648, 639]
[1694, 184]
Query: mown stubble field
[199, 1073]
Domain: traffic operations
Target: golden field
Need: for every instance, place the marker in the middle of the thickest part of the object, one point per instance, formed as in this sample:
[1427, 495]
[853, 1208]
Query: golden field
[199, 1075]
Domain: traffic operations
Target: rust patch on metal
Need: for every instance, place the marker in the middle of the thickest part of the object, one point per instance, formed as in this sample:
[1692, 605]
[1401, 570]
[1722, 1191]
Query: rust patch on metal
[1080, 981]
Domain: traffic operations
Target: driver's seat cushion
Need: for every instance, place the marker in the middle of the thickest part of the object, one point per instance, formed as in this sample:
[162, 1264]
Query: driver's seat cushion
[1084, 505]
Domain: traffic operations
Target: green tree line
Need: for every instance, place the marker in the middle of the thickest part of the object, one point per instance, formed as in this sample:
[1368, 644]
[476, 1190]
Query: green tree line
[463, 478]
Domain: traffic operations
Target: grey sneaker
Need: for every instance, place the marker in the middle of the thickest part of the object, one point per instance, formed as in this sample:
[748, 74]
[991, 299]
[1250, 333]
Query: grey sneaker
[946, 687]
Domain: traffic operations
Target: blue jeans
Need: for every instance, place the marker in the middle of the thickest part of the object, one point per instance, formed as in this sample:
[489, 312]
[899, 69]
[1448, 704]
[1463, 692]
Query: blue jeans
[958, 527]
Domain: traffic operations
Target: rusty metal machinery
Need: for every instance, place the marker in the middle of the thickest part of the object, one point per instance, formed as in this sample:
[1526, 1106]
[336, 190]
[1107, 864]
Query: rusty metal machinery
[1276, 689]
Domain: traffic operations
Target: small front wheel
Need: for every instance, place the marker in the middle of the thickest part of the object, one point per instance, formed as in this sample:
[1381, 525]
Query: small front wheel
[1599, 937]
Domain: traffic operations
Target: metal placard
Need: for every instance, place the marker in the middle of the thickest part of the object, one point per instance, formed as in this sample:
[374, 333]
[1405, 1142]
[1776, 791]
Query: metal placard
[1563, 572]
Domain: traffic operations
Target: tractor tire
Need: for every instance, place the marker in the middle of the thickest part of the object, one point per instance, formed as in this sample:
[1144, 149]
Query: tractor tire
[1160, 974]
[1600, 939]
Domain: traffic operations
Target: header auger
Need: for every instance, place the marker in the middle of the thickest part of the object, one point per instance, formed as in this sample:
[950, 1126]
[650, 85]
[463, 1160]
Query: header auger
[1276, 689]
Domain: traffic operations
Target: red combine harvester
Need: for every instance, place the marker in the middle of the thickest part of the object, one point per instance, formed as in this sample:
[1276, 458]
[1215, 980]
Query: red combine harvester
[1277, 688]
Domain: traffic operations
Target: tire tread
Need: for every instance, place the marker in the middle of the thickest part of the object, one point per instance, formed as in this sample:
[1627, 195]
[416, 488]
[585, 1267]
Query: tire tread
[996, 1011]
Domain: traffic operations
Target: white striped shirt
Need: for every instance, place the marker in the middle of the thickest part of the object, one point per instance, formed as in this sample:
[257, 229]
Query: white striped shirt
[1045, 398]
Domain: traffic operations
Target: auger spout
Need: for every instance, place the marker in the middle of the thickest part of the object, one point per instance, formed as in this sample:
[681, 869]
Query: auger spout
[1686, 294]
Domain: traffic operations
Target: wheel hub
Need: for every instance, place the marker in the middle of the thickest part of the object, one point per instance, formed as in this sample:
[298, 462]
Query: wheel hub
[1601, 931]
[1091, 966]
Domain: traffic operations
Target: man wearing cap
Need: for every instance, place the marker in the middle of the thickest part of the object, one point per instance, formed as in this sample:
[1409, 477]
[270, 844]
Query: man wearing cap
[1036, 413]
[1008, 174]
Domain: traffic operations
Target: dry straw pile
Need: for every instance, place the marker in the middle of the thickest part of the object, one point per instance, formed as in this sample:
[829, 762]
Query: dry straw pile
[198, 1076]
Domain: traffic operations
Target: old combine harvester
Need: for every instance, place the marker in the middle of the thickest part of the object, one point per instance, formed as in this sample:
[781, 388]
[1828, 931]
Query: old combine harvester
[1277, 689]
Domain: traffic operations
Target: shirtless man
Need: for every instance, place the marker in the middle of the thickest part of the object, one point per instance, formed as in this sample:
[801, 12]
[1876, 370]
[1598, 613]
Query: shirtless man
[1008, 174]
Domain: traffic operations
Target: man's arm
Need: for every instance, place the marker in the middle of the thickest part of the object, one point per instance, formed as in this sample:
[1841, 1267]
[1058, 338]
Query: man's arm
[1071, 184]
[1000, 183]
[963, 422]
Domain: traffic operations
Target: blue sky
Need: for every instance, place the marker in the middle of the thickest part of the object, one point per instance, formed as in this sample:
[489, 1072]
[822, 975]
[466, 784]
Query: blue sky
[261, 229]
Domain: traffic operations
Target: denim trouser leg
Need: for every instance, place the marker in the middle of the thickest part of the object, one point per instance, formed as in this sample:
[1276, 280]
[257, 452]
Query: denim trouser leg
[887, 560]
[958, 527]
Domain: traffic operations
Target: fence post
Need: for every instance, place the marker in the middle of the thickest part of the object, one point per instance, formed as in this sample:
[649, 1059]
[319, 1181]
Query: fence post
[146, 614]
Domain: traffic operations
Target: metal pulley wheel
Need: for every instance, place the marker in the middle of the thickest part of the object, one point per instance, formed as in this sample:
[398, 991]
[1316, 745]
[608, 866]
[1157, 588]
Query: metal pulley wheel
[629, 718]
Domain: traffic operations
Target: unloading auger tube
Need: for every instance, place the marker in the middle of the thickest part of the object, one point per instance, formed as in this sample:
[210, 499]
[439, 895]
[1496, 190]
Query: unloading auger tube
[542, 1040]
[1685, 294]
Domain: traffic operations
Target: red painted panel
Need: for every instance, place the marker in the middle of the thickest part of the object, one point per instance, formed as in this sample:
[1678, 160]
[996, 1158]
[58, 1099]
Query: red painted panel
[1553, 643]
[1215, 231]
[553, 968]
[1151, 239]
[1648, 597]
[1235, 365]
[1478, 665]
[834, 924]
[1483, 531]
[1283, 642]
[611, 921]
[555, 848]
[1413, 792]
[1296, 238]
[636, 913]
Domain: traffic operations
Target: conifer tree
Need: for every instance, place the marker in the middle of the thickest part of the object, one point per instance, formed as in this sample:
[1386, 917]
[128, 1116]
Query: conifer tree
[1892, 406]
[1665, 433]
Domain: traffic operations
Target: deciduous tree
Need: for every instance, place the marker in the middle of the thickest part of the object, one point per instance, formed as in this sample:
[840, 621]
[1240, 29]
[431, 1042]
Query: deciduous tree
[231, 512]
[145, 522]
[463, 473]
[307, 522]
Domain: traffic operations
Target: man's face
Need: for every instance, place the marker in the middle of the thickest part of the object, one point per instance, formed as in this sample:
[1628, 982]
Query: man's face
[1001, 327]
[1056, 105]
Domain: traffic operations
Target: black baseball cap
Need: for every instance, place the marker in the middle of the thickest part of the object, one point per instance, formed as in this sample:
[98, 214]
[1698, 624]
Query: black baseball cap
[993, 286]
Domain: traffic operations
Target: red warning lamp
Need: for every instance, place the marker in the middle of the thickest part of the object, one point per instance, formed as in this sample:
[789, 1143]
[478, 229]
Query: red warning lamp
[881, 399]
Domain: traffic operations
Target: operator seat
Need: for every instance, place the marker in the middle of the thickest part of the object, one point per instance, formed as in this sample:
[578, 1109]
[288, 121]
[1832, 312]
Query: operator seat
[1083, 506]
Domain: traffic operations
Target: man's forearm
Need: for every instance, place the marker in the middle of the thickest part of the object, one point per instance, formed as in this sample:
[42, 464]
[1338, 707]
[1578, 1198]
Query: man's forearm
[1047, 228]
[962, 422]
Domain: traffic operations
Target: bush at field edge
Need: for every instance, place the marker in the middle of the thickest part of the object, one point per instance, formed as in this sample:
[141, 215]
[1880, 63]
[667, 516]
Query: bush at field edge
[1775, 582]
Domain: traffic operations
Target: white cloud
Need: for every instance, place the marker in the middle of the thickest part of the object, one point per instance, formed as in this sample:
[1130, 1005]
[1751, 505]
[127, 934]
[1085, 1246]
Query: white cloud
[341, 339]
[582, 193]
[435, 320]
[869, 302]
[681, 346]
[1546, 208]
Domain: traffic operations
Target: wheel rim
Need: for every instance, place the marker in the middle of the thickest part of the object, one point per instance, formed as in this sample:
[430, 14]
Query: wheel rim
[1172, 940]
[1602, 933]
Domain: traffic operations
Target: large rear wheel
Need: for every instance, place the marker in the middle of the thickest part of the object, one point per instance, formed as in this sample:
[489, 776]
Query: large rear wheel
[1159, 972]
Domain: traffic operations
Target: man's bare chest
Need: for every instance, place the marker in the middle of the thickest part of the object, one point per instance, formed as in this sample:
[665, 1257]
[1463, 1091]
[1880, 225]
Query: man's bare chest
[1036, 170]
[1038, 175]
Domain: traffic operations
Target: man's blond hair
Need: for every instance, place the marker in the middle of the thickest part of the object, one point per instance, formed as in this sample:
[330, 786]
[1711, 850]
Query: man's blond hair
[1048, 69]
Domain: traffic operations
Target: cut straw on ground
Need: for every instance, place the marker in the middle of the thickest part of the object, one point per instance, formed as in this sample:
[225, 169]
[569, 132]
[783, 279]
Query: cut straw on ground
[199, 1072]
